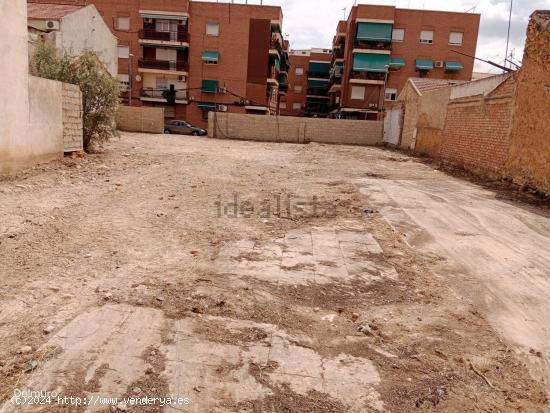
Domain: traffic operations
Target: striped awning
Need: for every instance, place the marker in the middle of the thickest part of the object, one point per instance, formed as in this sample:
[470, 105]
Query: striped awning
[453, 66]
[424, 64]
[397, 62]
[163, 16]
[365, 62]
[210, 55]
[374, 32]
[209, 86]
[319, 67]
[206, 105]
[317, 83]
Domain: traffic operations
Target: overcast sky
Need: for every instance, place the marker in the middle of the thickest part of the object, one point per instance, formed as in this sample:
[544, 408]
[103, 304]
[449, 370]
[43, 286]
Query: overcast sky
[312, 23]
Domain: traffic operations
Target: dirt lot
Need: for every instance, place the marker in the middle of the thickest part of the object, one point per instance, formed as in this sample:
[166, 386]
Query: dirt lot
[250, 277]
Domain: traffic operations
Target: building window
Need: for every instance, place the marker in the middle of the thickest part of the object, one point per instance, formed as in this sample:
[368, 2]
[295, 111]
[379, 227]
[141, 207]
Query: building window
[123, 52]
[398, 35]
[358, 92]
[391, 94]
[212, 28]
[282, 105]
[426, 36]
[296, 106]
[455, 38]
[298, 88]
[165, 26]
[299, 71]
[337, 100]
[123, 23]
[124, 82]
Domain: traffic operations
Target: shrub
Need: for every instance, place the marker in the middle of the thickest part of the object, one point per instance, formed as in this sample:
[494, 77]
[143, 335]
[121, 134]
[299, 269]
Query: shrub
[100, 91]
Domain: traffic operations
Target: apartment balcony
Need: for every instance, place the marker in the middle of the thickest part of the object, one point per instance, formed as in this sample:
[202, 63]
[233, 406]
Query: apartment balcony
[169, 38]
[156, 66]
[159, 95]
[318, 75]
[338, 53]
[372, 45]
[372, 78]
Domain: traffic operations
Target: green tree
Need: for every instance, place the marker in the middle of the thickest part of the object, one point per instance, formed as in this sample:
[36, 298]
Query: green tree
[100, 91]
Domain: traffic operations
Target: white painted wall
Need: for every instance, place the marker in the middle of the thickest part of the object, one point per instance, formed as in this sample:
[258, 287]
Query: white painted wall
[478, 87]
[31, 127]
[86, 29]
[14, 80]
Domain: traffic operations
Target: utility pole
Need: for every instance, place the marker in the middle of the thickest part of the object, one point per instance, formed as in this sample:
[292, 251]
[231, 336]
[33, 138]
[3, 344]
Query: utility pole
[508, 36]
[130, 78]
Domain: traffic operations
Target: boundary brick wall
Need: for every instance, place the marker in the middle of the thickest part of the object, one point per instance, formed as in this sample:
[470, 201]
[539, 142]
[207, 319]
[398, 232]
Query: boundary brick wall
[140, 119]
[477, 130]
[294, 129]
[529, 157]
[73, 137]
[432, 115]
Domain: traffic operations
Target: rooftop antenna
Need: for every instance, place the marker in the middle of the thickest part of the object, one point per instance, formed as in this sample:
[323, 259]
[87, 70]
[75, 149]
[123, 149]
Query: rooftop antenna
[509, 25]
[345, 12]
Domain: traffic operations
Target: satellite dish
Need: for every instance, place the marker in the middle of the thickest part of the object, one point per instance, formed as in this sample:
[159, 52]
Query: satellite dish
[50, 25]
[138, 78]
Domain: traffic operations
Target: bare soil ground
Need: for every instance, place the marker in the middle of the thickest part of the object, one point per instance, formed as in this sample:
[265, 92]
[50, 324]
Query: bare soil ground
[340, 279]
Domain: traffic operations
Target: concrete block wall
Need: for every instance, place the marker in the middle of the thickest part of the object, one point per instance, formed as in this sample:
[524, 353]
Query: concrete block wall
[294, 129]
[140, 119]
[73, 138]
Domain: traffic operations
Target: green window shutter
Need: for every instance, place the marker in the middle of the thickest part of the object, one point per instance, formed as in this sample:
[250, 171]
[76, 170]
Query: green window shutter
[206, 105]
[453, 66]
[374, 32]
[210, 55]
[318, 67]
[397, 62]
[365, 62]
[209, 86]
[424, 64]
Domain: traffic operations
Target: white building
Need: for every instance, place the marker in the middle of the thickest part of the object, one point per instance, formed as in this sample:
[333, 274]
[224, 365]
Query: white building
[73, 29]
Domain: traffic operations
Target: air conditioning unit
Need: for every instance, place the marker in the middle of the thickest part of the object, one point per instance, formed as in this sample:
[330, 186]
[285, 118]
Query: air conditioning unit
[222, 90]
[52, 25]
[222, 108]
[181, 78]
[439, 63]
[373, 105]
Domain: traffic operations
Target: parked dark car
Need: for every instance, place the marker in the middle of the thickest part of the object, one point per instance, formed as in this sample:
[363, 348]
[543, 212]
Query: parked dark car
[181, 127]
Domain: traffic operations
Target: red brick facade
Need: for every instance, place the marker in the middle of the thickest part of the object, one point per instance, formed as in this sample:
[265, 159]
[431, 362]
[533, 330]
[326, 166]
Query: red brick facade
[413, 22]
[476, 134]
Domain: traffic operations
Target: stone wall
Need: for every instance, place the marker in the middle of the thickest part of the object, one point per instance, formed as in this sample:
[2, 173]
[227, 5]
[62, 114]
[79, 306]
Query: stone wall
[410, 100]
[294, 129]
[72, 118]
[529, 157]
[477, 129]
[140, 119]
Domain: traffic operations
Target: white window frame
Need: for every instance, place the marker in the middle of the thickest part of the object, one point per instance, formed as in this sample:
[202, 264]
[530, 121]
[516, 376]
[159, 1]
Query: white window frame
[296, 106]
[398, 38]
[358, 92]
[162, 25]
[213, 28]
[427, 36]
[298, 89]
[123, 51]
[299, 71]
[124, 27]
[390, 94]
[124, 82]
[453, 38]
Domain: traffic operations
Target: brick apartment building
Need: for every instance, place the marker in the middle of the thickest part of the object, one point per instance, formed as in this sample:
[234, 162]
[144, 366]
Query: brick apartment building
[200, 56]
[379, 47]
[308, 83]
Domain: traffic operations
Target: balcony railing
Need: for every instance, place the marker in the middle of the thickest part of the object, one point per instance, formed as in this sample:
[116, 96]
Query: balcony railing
[376, 45]
[170, 36]
[317, 92]
[168, 65]
[338, 52]
[159, 94]
[367, 75]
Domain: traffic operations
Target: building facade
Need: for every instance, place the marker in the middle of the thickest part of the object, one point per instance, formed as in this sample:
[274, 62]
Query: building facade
[195, 57]
[308, 83]
[379, 47]
[73, 29]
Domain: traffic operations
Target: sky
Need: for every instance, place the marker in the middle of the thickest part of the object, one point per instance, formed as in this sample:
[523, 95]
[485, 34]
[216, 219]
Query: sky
[312, 23]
